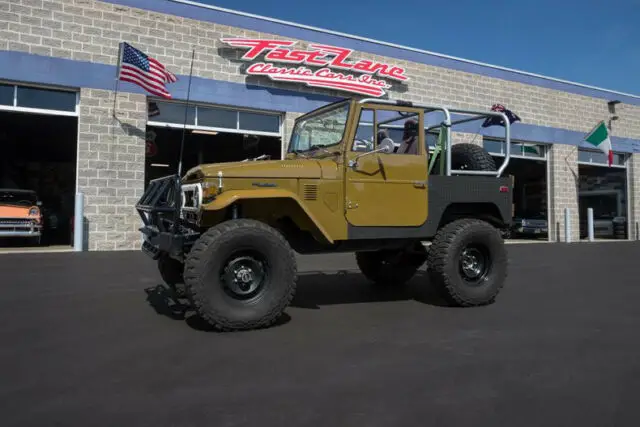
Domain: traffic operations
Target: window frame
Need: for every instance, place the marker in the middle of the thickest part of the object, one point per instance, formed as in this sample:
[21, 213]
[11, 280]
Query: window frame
[625, 158]
[545, 148]
[196, 126]
[15, 108]
[375, 124]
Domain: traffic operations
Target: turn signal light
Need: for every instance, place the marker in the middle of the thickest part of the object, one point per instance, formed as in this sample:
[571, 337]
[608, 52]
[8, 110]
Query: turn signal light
[504, 189]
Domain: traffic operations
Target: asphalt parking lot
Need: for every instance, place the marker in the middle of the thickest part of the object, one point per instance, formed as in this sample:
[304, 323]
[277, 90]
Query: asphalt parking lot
[91, 339]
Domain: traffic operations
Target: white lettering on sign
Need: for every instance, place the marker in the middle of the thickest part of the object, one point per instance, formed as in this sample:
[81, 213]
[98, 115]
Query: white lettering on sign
[333, 60]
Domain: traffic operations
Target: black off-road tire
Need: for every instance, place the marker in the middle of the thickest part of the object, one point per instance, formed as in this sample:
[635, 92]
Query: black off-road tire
[444, 262]
[471, 157]
[205, 267]
[171, 270]
[389, 267]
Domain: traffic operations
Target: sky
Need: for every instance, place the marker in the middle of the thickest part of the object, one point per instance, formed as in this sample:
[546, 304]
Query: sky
[594, 42]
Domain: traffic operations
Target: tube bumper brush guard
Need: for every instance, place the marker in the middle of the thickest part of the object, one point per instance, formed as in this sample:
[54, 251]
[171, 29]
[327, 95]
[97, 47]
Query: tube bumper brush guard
[163, 230]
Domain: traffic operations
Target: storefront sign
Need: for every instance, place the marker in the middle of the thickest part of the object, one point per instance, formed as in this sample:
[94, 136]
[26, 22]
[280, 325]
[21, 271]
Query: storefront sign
[363, 77]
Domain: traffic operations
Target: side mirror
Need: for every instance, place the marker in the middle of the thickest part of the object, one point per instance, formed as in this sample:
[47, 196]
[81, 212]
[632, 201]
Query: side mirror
[385, 148]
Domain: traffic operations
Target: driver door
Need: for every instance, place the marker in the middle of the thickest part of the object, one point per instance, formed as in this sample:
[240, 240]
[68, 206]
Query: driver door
[386, 190]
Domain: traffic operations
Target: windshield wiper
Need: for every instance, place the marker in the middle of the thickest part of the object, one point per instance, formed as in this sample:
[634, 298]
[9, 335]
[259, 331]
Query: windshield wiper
[321, 147]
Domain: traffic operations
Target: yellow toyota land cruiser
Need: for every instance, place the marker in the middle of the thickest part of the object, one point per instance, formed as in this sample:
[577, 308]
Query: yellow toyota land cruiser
[358, 177]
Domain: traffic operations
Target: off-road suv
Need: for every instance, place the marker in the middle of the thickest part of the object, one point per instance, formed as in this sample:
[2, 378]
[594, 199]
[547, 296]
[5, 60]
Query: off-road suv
[378, 178]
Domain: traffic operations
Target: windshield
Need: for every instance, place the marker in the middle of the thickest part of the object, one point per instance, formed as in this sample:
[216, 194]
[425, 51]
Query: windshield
[319, 131]
[19, 198]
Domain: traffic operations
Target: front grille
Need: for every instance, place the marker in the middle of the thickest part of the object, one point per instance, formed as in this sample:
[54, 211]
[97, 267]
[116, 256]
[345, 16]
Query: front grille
[16, 222]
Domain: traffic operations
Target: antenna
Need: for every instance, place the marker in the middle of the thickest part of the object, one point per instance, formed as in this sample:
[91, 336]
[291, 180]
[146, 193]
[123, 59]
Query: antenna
[186, 112]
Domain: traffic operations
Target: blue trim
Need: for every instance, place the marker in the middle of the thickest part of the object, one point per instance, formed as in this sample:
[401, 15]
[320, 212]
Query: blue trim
[28, 68]
[24, 67]
[264, 26]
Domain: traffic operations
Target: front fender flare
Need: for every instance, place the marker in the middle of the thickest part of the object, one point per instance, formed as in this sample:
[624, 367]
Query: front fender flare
[225, 199]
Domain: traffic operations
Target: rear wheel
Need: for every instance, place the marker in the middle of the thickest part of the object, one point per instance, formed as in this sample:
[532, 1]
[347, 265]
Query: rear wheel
[468, 262]
[389, 267]
[240, 274]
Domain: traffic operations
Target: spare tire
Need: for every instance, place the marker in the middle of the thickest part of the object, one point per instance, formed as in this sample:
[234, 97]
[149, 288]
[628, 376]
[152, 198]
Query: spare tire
[467, 156]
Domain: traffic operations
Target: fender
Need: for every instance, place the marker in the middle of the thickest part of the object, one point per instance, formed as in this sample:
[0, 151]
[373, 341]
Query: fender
[226, 199]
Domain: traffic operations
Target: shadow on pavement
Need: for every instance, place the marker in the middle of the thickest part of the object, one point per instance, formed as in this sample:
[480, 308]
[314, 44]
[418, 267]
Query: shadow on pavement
[166, 303]
[314, 290]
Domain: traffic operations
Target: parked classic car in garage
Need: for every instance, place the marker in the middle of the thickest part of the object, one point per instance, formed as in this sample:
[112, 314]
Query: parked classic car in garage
[20, 214]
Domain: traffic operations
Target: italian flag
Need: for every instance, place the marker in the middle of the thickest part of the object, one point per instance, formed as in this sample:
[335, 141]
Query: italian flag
[599, 138]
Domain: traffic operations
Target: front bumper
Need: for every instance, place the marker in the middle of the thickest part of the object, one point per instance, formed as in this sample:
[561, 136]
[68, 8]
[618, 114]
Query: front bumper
[17, 227]
[163, 230]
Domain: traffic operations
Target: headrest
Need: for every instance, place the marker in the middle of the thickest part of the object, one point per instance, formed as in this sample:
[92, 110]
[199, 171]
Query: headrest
[410, 129]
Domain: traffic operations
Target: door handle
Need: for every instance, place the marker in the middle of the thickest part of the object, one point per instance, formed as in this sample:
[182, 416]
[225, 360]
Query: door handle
[419, 184]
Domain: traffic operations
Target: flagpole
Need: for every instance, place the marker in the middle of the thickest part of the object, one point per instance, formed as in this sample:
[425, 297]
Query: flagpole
[186, 112]
[115, 96]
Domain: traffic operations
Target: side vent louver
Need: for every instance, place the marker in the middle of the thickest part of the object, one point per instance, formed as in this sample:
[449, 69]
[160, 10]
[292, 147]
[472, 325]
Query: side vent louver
[310, 192]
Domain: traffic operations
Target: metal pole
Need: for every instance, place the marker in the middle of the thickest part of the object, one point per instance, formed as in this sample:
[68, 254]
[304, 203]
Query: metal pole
[567, 225]
[78, 223]
[590, 223]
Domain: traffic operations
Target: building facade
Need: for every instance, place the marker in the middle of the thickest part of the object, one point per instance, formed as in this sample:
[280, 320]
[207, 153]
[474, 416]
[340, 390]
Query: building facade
[60, 57]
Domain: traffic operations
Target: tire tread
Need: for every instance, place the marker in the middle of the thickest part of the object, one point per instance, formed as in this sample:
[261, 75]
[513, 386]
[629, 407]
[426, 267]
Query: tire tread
[439, 256]
[196, 263]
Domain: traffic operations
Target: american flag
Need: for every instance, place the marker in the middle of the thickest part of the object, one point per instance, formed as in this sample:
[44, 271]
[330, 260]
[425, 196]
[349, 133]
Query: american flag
[144, 71]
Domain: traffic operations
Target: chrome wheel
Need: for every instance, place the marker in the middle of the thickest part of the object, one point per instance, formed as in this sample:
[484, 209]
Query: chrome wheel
[474, 264]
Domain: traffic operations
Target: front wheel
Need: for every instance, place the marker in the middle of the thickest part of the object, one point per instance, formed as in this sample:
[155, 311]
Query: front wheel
[467, 262]
[240, 274]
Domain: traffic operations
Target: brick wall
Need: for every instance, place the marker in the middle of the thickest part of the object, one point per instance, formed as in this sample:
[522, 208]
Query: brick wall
[111, 157]
[634, 196]
[90, 30]
[111, 167]
[564, 191]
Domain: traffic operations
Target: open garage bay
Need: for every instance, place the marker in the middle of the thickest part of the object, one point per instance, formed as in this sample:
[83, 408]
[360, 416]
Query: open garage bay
[93, 339]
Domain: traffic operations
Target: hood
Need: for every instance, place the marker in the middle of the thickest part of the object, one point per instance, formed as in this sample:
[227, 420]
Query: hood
[303, 168]
[11, 211]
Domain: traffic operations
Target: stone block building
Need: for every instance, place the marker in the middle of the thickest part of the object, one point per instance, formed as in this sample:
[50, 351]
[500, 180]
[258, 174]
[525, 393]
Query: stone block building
[58, 64]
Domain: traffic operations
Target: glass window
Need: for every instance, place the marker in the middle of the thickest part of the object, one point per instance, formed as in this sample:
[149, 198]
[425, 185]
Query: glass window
[46, 99]
[432, 139]
[320, 130]
[598, 157]
[6, 95]
[493, 146]
[517, 148]
[364, 134]
[527, 150]
[168, 112]
[217, 118]
[385, 124]
[257, 122]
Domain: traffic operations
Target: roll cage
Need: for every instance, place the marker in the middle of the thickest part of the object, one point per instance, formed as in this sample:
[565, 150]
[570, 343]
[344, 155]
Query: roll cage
[446, 125]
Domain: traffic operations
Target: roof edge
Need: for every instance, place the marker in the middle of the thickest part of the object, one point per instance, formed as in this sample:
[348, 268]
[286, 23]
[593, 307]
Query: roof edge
[399, 46]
